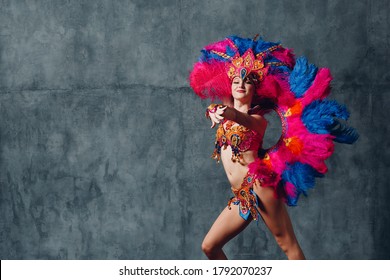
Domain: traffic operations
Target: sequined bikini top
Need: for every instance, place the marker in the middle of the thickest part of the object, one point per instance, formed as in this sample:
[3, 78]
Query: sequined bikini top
[238, 137]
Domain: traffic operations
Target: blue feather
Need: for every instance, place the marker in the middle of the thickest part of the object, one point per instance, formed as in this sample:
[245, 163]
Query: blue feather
[302, 176]
[320, 115]
[343, 133]
[242, 44]
[261, 45]
[280, 70]
[206, 56]
[292, 201]
[302, 76]
[230, 52]
[271, 59]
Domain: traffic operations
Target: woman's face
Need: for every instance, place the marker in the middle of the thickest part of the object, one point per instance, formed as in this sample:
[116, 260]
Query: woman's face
[243, 89]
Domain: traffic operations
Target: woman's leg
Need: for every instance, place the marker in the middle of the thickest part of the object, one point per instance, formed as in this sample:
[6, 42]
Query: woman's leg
[228, 224]
[275, 216]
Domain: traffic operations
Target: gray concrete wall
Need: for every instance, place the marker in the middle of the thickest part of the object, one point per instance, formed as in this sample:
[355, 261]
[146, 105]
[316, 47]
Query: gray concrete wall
[104, 151]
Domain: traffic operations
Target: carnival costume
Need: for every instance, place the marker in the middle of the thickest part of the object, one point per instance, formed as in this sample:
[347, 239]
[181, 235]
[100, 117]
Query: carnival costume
[298, 92]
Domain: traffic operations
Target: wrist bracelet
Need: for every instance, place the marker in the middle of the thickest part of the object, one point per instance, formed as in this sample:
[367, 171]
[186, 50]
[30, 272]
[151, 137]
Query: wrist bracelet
[212, 109]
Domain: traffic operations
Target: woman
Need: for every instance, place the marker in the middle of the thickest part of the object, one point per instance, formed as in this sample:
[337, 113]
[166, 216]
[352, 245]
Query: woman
[249, 72]
[272, 210]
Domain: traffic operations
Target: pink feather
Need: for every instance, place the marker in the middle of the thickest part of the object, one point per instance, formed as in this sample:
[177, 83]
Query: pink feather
[320, 87]
[209, 80]
[286, 56]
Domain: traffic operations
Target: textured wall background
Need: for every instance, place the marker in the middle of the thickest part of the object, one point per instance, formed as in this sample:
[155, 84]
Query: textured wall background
[104, 151]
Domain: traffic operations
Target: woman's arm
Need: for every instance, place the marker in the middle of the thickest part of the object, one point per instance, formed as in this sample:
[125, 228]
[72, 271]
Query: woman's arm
[219, 112]
[253, 122]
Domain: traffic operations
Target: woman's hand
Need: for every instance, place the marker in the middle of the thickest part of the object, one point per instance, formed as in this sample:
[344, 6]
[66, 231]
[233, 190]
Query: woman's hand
[214, 112]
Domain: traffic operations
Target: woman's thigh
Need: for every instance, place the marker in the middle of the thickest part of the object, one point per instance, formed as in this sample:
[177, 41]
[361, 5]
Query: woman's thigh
[228, 224]
[274, 213]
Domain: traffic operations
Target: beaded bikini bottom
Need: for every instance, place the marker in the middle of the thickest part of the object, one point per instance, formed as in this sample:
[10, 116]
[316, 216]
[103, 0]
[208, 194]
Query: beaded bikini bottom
[246, 198]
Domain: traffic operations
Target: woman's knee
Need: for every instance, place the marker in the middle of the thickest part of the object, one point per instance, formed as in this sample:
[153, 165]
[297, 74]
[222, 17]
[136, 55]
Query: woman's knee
[209, 248]
[285, 241]
[290, 247]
